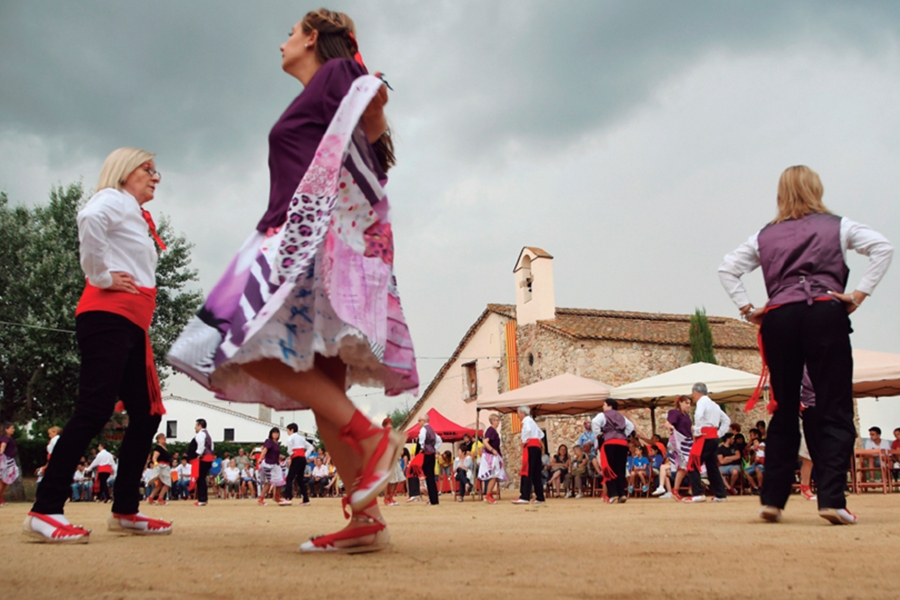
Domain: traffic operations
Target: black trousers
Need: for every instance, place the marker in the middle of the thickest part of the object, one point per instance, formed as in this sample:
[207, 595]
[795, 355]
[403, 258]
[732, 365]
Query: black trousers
[430, 483]
[202, 482]
[102, 478]
[298, 466]
[817, 336]
[533, 482]
[709, 458]
[618, 459]
[112, 368]
[412, 484]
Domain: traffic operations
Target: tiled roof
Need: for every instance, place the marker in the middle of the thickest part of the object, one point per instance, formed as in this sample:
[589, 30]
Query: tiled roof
[649, 328]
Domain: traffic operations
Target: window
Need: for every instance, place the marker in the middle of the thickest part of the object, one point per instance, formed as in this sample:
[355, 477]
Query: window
[229, 435]
[471, 379]
[172, 429]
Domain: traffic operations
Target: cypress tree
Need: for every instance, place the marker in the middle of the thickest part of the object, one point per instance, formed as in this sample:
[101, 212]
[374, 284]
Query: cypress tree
[701, 338]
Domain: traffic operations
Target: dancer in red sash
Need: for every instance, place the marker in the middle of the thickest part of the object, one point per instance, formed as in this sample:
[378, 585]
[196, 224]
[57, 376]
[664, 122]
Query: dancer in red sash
[710, 423]
[201, 460]
[532, 449]
[298, 449]
[118, 247]
[615, 429]
[802, 253]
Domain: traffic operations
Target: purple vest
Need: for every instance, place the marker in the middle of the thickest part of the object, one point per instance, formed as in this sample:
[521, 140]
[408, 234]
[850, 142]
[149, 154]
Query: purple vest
[614, 428]
[429, 439]
[207, 445]
[801, 259]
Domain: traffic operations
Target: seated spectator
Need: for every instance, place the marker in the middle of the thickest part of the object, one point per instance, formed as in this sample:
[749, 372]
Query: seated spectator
[587, 436]
[761, 429]
[729, 462]
[242, 461]
[756, 458]
[895, 451]
[578, 470]
[248, 481]
[466, 443]
[184, 479]
[559, 468]
[320, 479]
[146, 478]
[232, 480]
[875, 443]
[463, 466]
[79, 486]
[740, 444]
[638, 470]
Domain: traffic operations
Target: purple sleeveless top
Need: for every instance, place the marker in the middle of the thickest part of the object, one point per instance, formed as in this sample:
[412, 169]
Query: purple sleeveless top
[296, 135]
[801, 259]
[614, 428]
[493, 437]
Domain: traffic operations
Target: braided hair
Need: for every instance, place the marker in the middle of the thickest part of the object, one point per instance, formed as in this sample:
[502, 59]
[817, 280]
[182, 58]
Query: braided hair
[337, 39]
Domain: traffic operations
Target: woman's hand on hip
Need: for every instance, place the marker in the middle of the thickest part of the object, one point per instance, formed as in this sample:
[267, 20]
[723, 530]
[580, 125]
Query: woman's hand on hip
[122, 282]
[852, 301]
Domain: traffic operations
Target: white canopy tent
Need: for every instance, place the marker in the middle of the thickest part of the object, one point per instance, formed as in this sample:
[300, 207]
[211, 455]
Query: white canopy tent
[875, 374]
[561, 395]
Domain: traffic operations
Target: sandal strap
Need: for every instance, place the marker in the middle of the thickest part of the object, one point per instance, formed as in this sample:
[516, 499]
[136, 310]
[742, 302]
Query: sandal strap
[151, 523]
[62, 529]
[323, 541]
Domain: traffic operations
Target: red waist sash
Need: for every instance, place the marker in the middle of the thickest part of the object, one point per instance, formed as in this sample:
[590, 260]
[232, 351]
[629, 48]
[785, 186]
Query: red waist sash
[298, 452]
[707, 433]
[104, 469]
[532, 443]
[137, 308]
[772, 406]
[605, 468]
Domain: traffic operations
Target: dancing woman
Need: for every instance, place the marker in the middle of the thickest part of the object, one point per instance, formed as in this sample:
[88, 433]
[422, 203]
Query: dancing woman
[807, 321]
[490, 469]
[310, 306]
[118, 246]
[9, 472]
[162, 471]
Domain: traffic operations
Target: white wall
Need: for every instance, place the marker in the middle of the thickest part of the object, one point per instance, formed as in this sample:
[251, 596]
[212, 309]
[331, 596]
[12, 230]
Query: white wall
[185, 414]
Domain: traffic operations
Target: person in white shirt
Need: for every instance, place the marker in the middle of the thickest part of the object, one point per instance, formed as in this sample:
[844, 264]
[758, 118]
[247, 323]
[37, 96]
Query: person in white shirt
[118, 246]
[298, 447]
[710, 423]
[875, 442]
[53, 433]
[429, 442]
[182, 491]
[78, 485]
[232, 480]
[320, 477]
[248, 482]
[615, 430]
[806, 322]
[102, 465]
[463, 467]
[532, 449]
[203, 461]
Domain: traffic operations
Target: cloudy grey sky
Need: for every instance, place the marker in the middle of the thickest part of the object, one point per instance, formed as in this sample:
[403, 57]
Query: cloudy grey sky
[637, 142]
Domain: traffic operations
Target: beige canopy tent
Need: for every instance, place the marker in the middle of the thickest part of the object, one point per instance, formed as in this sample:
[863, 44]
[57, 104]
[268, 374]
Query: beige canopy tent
[725, 385]
[562, 395]
[875, 374]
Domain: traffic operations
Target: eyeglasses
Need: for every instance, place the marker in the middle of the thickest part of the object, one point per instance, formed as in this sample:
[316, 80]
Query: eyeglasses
[153, 172]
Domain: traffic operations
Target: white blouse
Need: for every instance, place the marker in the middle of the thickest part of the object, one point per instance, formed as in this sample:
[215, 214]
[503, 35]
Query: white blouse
[295, 441]
[530, 430]
[854, 236]
[114, 236]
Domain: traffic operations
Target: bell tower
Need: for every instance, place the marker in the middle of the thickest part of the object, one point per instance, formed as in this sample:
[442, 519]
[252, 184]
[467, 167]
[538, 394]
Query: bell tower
[535, 300]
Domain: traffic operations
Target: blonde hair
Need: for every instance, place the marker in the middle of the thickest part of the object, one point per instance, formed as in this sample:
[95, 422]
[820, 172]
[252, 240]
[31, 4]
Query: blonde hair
[119, 165]
[55, 429]
[799, 194]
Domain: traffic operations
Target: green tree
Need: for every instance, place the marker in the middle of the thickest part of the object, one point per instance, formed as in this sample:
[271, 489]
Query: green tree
[399, 415]
[701, 338]
[40, 284]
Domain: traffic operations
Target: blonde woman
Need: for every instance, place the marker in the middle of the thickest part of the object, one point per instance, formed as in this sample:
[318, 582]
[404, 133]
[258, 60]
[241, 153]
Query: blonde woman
[490, 468]
[806, 320]
[119, 246]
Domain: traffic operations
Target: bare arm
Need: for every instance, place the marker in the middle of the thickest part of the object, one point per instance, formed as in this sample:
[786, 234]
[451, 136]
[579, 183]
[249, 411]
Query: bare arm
[373, 121]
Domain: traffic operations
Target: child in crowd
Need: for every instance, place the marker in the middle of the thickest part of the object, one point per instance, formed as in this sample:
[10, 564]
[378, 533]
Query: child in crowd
[463, 466]
[638, 470]
[729, 462]
[756, 459]
[445, 464]
[577, 472]
[656, 459]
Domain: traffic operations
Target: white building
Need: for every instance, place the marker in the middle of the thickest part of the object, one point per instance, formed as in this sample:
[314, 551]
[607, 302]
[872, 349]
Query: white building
[225, 421]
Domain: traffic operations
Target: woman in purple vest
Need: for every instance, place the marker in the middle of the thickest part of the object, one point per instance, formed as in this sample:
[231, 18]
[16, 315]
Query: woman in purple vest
[806, 321]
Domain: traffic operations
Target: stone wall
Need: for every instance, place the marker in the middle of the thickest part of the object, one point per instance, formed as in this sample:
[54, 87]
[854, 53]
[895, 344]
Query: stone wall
[544, 354]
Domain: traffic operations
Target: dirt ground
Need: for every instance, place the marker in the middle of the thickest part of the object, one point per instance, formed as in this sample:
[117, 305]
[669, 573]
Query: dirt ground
[565, 549]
